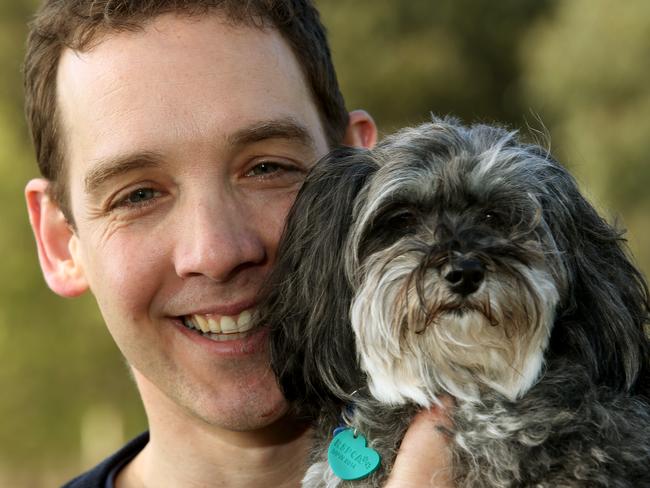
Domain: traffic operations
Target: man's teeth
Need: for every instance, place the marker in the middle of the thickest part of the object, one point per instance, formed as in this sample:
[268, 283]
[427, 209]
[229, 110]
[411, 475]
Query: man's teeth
[220, 324]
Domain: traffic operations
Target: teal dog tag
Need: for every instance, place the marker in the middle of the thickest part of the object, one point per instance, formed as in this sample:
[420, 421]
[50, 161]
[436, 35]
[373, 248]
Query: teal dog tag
[350, 458]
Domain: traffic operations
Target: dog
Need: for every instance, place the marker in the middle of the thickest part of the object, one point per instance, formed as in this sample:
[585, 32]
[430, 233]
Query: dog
[458, 260]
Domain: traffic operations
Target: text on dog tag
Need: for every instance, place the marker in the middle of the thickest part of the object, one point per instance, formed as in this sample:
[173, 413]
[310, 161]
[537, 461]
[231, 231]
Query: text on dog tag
[350, 458]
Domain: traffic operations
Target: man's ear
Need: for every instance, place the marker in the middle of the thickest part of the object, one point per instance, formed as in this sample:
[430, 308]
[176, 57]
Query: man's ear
[56, 242]
[361, 131]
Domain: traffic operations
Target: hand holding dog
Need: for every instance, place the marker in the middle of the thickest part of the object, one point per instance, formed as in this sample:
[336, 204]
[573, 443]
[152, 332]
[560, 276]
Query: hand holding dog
[424, 456]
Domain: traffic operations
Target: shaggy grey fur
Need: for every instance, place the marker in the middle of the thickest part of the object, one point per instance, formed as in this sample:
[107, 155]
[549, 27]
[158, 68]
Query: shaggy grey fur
[459, 260]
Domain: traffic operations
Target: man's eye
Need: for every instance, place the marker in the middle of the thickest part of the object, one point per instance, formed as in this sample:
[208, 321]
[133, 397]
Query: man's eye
[137, 198]
[265, 169]
[141, 195]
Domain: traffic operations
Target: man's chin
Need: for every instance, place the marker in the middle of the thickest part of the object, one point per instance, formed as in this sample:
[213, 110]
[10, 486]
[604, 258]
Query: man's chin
[251, 413]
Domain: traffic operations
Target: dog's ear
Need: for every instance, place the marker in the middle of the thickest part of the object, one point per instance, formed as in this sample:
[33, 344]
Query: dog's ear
[307, 298]
[606, 308]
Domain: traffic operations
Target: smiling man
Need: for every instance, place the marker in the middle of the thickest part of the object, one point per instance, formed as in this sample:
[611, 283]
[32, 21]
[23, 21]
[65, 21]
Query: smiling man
[172, 138]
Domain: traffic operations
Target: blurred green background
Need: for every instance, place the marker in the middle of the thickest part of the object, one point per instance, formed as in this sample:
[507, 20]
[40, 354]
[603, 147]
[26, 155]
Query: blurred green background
[572, 72]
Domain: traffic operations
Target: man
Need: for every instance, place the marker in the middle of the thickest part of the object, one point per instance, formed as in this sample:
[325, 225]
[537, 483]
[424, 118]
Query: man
[172, 137]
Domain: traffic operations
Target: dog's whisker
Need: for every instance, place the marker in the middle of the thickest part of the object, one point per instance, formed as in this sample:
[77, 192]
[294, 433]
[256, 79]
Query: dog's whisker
[488, 310]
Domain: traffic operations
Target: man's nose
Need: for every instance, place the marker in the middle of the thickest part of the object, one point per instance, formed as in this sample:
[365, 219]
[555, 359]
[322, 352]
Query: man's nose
[216, 240]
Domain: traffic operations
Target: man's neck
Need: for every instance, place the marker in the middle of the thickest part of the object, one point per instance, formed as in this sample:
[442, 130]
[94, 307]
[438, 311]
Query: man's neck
[188, 452]
[216, 463]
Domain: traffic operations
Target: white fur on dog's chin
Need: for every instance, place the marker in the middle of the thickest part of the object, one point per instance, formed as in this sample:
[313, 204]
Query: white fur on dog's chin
[458, 355]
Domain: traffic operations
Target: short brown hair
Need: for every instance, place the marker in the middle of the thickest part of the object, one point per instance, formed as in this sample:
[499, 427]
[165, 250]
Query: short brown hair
[76, 24]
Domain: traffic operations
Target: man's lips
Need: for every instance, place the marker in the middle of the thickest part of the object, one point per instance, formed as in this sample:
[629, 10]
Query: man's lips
[241, 339]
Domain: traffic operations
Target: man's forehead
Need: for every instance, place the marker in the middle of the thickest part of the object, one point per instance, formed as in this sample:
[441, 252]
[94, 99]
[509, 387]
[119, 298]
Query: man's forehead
[191, 45]
[184, 75]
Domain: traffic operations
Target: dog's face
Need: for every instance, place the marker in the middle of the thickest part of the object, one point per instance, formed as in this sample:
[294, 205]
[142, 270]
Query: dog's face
[448, 259]
[456, 273]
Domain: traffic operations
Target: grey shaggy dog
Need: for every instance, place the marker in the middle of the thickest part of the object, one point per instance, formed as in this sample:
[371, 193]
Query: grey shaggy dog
[458, 260]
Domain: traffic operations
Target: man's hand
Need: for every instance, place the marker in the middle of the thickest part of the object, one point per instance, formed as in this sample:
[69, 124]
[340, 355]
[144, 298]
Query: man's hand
[424, 459]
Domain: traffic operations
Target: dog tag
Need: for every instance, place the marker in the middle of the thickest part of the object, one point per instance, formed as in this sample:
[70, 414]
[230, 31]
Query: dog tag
[350, 458]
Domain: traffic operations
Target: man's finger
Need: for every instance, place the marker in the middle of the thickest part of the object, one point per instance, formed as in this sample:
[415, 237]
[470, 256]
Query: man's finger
[424, 458]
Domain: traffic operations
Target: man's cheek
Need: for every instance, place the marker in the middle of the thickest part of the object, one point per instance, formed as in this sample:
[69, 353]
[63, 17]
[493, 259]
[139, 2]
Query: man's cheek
[123, 274]
[275, 213]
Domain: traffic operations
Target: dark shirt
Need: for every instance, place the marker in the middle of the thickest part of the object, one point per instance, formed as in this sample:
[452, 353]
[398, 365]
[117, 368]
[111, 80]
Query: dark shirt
[103, 475]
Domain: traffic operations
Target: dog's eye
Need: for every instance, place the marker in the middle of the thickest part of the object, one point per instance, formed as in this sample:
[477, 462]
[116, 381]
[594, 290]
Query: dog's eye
[388, 228]
[403, 222]
[491, 218]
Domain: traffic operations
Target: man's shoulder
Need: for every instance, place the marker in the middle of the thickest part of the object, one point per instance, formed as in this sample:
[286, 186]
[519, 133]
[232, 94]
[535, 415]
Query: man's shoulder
[98, 476]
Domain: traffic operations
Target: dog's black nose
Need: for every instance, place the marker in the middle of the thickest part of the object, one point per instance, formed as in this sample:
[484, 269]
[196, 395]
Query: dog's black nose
[465, 276]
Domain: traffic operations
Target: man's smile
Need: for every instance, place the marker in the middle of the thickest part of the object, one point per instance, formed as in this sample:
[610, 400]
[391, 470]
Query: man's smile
[220, 327]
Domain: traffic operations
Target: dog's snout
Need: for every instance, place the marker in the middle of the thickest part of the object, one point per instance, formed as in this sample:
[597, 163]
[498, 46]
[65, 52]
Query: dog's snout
[465, 276]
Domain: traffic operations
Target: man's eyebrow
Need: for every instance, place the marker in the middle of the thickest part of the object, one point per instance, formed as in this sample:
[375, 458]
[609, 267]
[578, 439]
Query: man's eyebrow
[110, 167]
[107, 168]
[286, 128]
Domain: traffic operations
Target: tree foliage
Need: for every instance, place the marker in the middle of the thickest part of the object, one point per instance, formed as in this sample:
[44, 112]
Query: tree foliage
[586, 68]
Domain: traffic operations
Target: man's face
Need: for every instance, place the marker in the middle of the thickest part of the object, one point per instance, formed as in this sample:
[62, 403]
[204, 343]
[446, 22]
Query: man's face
[186, 144]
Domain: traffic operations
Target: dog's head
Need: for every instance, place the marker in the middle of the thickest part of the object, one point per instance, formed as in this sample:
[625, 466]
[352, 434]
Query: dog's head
[448, 259]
